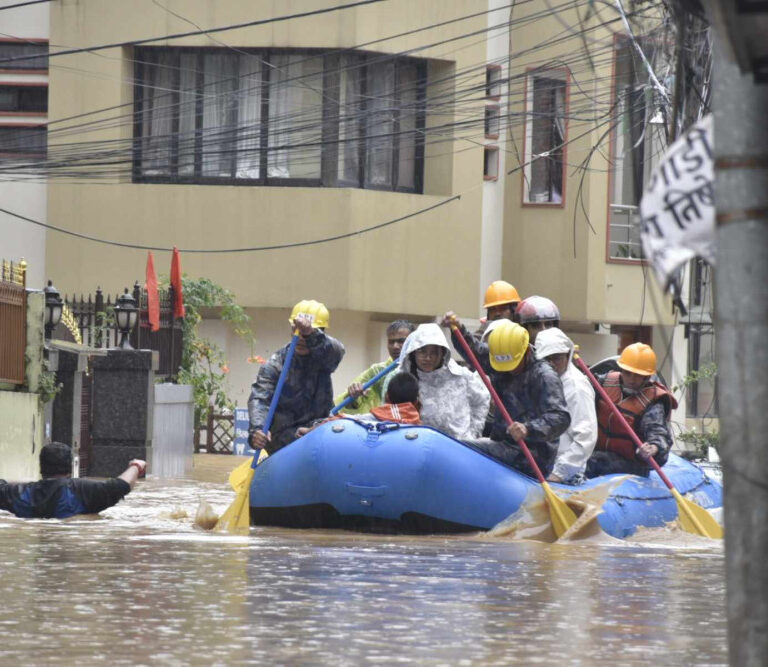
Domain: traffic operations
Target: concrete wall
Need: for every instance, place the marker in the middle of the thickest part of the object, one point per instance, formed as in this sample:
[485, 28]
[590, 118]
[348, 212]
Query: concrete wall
[21, 435]
[403, 268]
[559, 251]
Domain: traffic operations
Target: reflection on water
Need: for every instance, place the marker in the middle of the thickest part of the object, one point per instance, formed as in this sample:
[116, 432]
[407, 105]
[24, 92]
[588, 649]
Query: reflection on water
[143, 585]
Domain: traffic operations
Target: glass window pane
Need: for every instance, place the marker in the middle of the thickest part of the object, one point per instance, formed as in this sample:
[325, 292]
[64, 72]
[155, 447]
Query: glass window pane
[187, 113]
[350, 107]
[23, 141]
[22, 49]
[157, 112]
[219, 114]
[408, 136]
[249, 118]
[547, 137]
[380, 124]
[295, 116]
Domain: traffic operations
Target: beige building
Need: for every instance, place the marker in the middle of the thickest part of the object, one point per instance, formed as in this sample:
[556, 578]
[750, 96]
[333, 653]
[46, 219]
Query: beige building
[369, 147]
[23, 118]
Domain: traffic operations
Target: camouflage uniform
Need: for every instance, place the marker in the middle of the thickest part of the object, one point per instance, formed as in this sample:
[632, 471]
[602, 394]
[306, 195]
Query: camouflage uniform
[307, 393]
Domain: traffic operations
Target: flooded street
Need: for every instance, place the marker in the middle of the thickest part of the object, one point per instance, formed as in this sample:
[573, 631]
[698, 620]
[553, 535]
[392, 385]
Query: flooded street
[142, 585]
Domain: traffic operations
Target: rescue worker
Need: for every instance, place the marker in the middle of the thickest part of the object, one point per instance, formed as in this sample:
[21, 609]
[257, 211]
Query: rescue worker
[58, 496]
[646, 406]
[397, 332]
[532, 393]
[501, 299]
[578, 441]
[537, 313]
[307, 394]
[453, 399]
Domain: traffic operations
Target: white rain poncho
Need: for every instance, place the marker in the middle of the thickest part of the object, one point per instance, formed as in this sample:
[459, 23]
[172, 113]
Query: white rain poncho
[454, 400]
[576, 444]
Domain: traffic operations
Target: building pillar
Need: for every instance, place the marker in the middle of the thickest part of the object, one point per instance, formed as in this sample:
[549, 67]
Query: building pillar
[741, 323]
[122, 405]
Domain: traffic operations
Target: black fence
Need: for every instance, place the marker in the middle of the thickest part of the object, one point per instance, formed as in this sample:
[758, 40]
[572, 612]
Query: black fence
[90, 321]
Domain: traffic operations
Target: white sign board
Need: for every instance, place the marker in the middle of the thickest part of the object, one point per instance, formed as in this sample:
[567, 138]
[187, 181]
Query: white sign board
[678, 206]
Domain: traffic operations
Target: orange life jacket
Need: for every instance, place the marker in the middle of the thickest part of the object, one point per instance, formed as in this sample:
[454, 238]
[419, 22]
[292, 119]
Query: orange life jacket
[611, 433]
[403, 413]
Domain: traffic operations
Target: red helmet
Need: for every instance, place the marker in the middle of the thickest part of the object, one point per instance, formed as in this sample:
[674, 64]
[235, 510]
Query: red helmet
[536, 309]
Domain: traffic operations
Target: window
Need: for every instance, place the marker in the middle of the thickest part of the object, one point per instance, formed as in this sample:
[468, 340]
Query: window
[24, 99]
[14, 49]
[279, 117]
[25, 142]
[545, 138]
[637, 142]
[492, 121]
[493, 81]
[491, 163]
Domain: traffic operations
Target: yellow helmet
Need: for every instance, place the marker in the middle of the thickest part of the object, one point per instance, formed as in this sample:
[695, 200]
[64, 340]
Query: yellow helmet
[507, 346]
[499, 293]
[316, 311]
[638, 358]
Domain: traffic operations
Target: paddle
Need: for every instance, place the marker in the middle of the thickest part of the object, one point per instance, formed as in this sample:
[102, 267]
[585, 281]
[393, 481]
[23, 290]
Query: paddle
[349, 399]
[560, 514]
[239, 474]
[237, 517]
[693, 518]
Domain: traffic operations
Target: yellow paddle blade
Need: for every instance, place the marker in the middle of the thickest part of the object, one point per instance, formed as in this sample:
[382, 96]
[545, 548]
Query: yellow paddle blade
[238, 475]
[561, 515]
[695, 519]
[237, 518]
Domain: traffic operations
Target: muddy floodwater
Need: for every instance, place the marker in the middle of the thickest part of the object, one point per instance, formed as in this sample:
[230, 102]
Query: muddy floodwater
[142, 585]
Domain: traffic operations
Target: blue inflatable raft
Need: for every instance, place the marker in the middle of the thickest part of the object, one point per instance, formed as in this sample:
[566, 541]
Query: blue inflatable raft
[394, 478]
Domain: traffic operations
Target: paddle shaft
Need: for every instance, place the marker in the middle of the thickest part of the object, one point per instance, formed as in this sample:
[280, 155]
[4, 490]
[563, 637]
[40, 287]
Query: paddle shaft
[278, 389]
[367, 385]
[497, 400]
[617, 413]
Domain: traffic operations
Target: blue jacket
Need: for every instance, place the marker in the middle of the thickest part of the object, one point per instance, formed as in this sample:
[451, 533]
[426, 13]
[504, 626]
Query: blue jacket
[61, 497]
[307, 393]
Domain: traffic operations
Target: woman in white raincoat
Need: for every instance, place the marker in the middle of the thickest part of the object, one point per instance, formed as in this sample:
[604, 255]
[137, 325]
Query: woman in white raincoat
[578, 441]
[454, 400]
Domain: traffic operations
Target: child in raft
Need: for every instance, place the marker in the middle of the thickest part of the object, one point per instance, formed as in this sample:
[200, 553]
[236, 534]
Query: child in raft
[454, 400]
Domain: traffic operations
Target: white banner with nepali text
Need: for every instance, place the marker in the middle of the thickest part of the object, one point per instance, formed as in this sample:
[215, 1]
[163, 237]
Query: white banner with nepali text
[678, 206]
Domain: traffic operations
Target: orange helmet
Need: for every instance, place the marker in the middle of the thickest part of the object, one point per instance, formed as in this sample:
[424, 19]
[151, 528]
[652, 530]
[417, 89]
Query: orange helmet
[638, 358]
[500, 292]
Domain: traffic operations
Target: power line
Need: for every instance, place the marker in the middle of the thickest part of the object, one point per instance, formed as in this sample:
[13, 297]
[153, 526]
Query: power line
[23, 4]
[193, 33]
[281, 246]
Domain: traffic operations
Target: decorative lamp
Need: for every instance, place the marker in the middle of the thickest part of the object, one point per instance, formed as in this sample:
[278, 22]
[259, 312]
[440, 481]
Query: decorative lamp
[53, 309]
[126, 314]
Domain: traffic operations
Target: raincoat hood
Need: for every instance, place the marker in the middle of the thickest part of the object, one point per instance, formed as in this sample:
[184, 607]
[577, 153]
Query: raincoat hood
[553, 341]
[425, 334]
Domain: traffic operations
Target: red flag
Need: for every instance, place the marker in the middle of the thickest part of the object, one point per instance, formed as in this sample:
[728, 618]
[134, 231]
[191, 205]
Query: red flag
[178, 298]
[153, 298]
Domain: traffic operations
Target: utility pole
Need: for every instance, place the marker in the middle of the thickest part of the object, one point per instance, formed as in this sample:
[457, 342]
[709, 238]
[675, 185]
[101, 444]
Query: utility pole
[740, 106]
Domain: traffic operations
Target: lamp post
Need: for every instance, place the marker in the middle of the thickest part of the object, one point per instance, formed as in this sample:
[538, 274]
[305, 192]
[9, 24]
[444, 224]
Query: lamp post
[126, 314]
[53, 308]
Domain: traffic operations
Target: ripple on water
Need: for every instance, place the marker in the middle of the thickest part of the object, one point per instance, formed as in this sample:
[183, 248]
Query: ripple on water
[142, 585]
